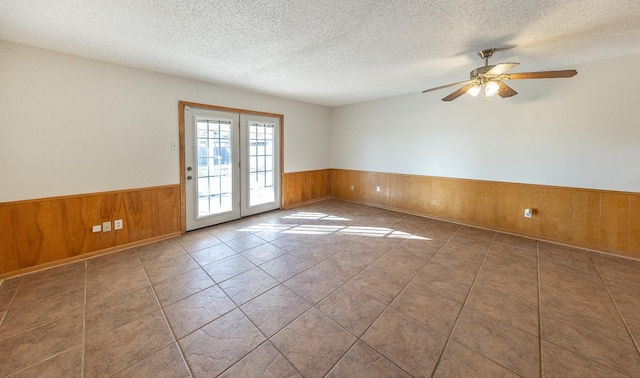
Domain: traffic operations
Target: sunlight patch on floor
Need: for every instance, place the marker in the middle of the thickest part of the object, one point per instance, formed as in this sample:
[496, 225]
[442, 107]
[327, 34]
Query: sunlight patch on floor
[312, 229]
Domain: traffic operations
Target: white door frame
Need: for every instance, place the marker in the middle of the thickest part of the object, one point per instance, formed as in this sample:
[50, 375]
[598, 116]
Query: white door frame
[181, 131]
[194, 219]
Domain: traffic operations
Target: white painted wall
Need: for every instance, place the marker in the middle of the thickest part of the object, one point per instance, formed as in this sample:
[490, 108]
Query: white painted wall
[579, 132]
[70, 125]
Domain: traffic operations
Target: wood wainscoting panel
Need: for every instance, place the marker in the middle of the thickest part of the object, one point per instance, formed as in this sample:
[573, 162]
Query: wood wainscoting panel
[478, 202]
[306, 186]
[36, 232]
[371, 181]
[530, 197]
[557, 220]
[437, 187]
[509, 201]
[634, 225]
[389, 190]
[614, 221]
[453, 199]
[340, 184]
[166, 210]
[595, 219]
[412, 189]
[586, 224]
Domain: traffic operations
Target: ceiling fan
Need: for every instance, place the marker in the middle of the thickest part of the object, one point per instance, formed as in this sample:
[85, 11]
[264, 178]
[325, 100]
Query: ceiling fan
[491, 78]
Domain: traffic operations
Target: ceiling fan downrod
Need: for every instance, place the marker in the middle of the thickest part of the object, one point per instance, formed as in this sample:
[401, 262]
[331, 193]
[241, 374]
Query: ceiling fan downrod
[486, 54]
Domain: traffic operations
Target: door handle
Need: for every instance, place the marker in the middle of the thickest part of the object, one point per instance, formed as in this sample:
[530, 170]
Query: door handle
[189, 177]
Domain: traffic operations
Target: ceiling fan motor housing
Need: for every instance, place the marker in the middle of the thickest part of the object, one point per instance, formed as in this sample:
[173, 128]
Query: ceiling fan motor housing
[480, 71]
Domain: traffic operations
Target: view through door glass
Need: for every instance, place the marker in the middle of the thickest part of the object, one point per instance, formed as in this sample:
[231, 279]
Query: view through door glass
[261, 188]
[215, 185]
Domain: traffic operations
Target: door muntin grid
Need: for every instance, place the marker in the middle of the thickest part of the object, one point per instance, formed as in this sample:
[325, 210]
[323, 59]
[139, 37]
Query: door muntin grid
[261, 163]
[213, 151]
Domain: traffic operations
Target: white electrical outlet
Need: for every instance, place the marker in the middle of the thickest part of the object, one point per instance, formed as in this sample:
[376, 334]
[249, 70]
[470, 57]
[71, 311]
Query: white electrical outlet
[117, 224]
[377, 188]
[352, 187]
[106, 226]
[528, 213]
[97, 228]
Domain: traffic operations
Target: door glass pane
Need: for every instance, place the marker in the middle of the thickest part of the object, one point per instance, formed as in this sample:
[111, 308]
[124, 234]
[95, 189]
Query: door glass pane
[214, 166]
[261, 145]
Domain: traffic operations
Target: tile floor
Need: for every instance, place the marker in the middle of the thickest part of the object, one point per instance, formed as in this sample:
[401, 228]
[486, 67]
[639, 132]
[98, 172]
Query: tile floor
[332, 288]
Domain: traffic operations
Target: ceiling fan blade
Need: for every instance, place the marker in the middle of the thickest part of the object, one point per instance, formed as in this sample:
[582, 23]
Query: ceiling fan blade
[539, 75]
[501, 68]
[459, 92]
[505, 91]
[446, 86]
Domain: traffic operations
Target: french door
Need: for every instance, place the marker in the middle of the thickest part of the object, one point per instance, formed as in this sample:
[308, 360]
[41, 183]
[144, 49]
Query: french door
[232, 165]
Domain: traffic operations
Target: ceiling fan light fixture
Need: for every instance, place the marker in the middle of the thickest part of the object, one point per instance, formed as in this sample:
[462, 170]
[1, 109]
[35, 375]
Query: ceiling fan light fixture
[493, 77]
[474, 90]
[491, 88]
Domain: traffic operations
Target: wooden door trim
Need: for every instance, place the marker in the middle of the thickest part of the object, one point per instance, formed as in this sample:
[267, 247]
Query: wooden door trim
[181, 126]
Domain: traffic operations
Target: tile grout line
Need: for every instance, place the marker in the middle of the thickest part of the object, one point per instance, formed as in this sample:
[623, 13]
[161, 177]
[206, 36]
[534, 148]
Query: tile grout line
[221, 315]
[449, 338]
[13, 297]
[42, 361]
[267, 339]
[271, 259]
[359, 338]
[313, 306]
[164, 316]
[575, 352]
[347, 352]
[55, 354]
[169, 278]
[540, 362]
[84, 319]
[539, 315]
[204, 325]
[216, 283]
[626, 326]
[306, 269]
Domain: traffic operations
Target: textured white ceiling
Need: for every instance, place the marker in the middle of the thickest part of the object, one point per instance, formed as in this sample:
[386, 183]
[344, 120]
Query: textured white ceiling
[328, 52]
